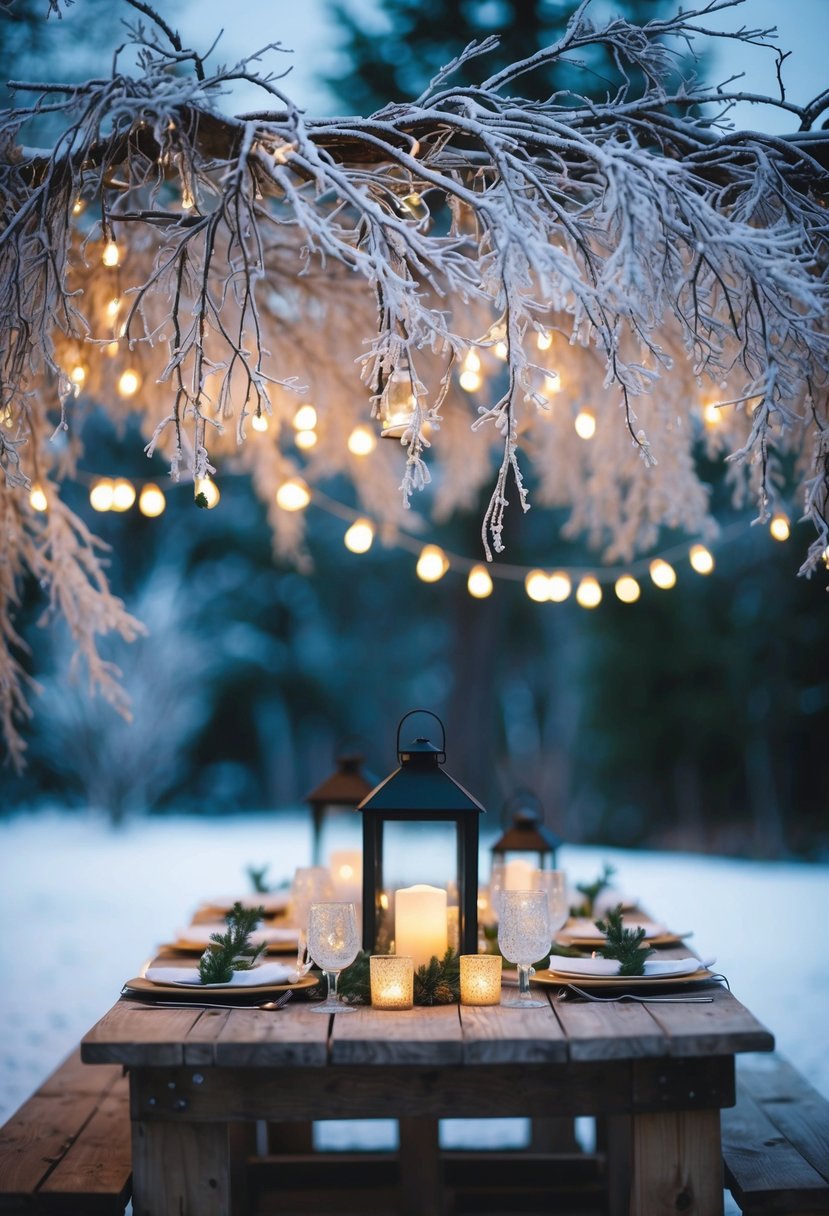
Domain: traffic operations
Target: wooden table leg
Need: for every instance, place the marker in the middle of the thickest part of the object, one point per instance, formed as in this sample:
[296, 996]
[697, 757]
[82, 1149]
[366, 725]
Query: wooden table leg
[677, 1164]
[181, 1168]
[421, 1174]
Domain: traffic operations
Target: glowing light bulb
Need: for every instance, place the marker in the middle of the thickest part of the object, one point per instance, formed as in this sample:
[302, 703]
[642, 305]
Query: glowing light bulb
[110, 256]
[123, 495]
[188, 200]
[113, 308]
[711, 414]
[111, 349]
[400, 404]
[432, 564]
[129, 382]
[701, 559]
[78, 375]
[100, 496]
[414, 204]
[470, 382]
[359, 537]
[305, 419]
[662, 573]
[779, 526]
[306, 439]
[552, 384]
[207, 487]
[151, 501]
[537, 586]
[588, 592]
[471, 361]
[362, 441]
[38, 500]
[501, 351]
[293, 495]
[259, 422]
[559, 587]
[479, 582]
[627, 589]
[544, 340]
[585, 424]
[78, 206]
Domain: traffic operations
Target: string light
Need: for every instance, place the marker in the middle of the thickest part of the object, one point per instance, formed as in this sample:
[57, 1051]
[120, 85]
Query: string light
[38, 500]
[552, 384]
[559, 587]
[293, 495]
[711, 414]
[78, 206]
[588, 592]
[585, 424]
[129, 382]
[306, 439]
[544, 340]
[415, 206]
[360, 536]
[479, 582]
[111, 349]
[432, 564]
[701, 559]
[207, 487]
[627, 589]
[305, 419]
[399, 406]
[470, 378]
[113, 308]
[537, 586]
[779, 526]
[123, 495]
[662, 573]
[501, 351]
[110, 256]
[362, 441]
[100, 496]
[151, 501]
[260, 423]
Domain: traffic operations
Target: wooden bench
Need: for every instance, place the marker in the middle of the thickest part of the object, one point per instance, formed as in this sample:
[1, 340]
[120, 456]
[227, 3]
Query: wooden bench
[776, 1140]
[67, 1149]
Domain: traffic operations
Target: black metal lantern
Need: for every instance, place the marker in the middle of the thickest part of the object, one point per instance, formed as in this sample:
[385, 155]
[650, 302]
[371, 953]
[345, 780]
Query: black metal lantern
[346, 787]
[420, 790]
[527, 833]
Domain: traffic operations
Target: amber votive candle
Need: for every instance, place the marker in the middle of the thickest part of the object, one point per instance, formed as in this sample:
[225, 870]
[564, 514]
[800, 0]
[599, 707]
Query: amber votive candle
[480, 979]
[392, 981]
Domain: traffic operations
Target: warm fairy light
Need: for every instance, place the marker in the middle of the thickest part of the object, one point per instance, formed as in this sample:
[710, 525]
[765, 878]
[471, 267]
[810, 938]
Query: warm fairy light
[585, 424]
[711, 414]
[123, 495]
[501, 351]
[100, 496]
[151, 501]
[305, 419]
[662, 573]
[559, 587]
[129, 382]
[207, 487]
[537, 586]
[627, 589]
[399, 405]
[110, 256]
[471, 361]
[432, 564]
[588, 592]
[293, 495]
[470, 382]
[779, 526]
[701, 559]
[361, 441]
[37, 500]
[111, 349]
[78, 375]
[479, 582]
[544, 340]
[188, 200]
[414, 204]
[113, 308]
[259, 422]
[306, 439]
[359, 537]
[78, 206]
[552, 384]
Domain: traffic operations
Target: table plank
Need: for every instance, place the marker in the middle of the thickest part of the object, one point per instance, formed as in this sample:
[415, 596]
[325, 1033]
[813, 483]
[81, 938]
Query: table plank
[610, 1032]
[673, 1164]
[264, 1038]
[409, 1036]
[792, 1104]
[134, 1034]
[494, 1035]
[718, 1029]
[97, 1163]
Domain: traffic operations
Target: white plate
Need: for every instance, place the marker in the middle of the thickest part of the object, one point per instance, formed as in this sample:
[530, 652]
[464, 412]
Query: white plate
[609, 967]
[584, 928]
[198, 936]
[188, 977]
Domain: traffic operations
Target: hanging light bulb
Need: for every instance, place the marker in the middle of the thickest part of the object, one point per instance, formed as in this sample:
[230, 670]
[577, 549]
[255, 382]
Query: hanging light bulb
[100, 496]
[559, 587]
[360, 536]
[471, 361]
[711, 414]
[112, 309]
[110, 256]
[537, 586]
[78, 206]
[501, 351]
[151, 501]
[361, 441]
[588, 592]
[293, 495]
[38, 500]
[78, 377]
[552, 384]
[260, 423]
[662, 573]
[585, 424]
[701, 559]
[627, 589]
[544, 340]
[123, 495]
[305, 419]
[207, 487]
[129, 382]
[479, 582]
[306, 439]
[415, 206]
[432, 564]
[779, 526]
[470, 382]
[111, 349]
[400, 404]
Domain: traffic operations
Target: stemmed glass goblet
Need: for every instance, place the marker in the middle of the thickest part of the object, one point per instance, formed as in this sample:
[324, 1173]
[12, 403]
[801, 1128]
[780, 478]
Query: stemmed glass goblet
[333, 943]
[311, 884]
[524, 937]
[554, 882]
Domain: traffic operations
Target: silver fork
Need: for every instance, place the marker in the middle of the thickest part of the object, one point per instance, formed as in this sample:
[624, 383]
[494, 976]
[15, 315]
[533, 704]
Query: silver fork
[569, 989]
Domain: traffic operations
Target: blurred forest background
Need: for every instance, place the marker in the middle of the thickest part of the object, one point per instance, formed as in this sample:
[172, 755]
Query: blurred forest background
[693, 719]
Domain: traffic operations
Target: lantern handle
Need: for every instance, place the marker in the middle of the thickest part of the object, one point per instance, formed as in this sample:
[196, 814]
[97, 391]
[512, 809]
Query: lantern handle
[442, 752]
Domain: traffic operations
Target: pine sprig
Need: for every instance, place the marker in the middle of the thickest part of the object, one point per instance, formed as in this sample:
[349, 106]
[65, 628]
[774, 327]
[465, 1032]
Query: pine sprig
[591, 891]
[231, 951]
[437, 982]
[623, 944]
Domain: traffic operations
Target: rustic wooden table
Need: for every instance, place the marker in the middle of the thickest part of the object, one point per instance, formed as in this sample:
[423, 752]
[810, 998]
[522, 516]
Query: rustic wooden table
[658, 1074]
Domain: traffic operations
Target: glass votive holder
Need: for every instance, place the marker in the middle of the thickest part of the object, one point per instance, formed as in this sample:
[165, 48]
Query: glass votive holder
[480, 979]
[392, 981]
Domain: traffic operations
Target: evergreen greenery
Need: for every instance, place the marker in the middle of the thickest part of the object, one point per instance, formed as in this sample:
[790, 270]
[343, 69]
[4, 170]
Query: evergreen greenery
[231, 951]
[591, 891]
[258, 878]
[623, 944]
[437, 982]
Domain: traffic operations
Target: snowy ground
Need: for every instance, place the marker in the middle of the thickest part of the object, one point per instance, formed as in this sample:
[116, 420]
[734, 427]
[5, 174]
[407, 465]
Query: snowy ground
[83, 906]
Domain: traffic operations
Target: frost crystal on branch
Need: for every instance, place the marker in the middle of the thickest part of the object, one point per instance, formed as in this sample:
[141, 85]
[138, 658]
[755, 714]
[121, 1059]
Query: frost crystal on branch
[632, 257]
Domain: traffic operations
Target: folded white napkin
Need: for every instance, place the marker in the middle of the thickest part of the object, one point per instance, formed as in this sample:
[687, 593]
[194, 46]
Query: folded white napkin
[654, 968]
[201, 934]
[581, 926]
[187, 977]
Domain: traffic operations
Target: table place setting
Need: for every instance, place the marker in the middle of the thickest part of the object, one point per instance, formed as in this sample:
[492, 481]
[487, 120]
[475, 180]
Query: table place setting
[197, 937]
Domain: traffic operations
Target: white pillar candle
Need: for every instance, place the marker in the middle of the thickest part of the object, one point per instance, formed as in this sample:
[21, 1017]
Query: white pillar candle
[518, 875]
[347, 875]
[420, 922]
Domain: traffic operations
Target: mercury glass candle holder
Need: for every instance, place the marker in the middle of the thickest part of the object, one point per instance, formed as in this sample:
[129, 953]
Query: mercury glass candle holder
[480, 979]
[392, 981]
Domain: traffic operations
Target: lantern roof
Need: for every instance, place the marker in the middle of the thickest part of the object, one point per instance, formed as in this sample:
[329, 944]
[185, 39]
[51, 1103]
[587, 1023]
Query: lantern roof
[346, 786]
[420, 785]
[527, 834]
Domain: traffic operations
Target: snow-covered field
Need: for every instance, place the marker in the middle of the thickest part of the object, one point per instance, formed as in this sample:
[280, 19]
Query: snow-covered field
[82, 906]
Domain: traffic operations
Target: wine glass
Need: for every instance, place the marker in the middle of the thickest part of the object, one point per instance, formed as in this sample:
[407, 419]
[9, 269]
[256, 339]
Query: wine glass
[524, 936]
[311, 884]
[333, 943]
[554, 882]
